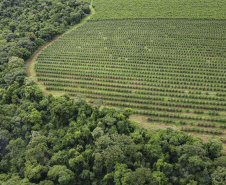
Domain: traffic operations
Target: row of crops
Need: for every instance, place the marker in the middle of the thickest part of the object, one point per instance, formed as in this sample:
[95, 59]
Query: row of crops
[171, 70]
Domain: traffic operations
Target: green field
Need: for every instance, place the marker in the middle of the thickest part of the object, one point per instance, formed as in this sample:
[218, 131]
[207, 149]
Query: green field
[170, 70]
[124, 9]
[168, 66]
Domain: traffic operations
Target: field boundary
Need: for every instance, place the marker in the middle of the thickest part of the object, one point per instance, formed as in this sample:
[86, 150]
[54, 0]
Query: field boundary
[31, 63]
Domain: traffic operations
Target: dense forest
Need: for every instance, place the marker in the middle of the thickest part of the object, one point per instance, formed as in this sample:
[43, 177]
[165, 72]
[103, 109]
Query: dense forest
[49, 140]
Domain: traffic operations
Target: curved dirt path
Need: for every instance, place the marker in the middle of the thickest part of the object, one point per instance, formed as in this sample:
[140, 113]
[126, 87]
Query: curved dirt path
[34, 55]
[92, 12]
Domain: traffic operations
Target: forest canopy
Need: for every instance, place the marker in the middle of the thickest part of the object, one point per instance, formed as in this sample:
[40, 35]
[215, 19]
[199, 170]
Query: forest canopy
[48, 140]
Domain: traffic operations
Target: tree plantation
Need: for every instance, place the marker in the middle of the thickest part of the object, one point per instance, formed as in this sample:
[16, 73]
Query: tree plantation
[67, 119]
[172, 71]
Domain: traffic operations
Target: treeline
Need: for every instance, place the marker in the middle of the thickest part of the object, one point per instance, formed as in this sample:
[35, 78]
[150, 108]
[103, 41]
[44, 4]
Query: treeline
[46, 140]
[27, 25]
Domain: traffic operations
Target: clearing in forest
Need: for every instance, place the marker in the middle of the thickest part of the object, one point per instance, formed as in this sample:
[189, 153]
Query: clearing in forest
[172, 71]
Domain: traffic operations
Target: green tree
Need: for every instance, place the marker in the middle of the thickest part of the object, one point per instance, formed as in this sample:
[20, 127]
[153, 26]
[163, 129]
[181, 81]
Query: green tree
[214, 148]
[62, 109]
[16, 74]
[62, 175]
[32, 92]
[11, 36]
[219, 176]
[15, 62]
[139, 177]
[221, 161]
[35, 118]
[19, 52]
[12, 26]
[37, 149]
[17, 149]
[35, 172]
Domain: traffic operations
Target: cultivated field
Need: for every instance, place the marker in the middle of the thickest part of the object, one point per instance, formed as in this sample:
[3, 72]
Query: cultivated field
[124, 9]
[164, 59]
[172, 71]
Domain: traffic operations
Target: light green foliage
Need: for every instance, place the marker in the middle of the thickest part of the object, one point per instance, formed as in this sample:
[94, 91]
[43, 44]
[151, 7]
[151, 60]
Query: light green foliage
[120, 171]
[198, 9]
[46, 182]
[158, 177]
[19, 52]
[16, 148]
[97, 132]
[219, 176]
[60, 174]
[15, 62]
[37, 150]
[221, 161]
[78, 164]
[35, 118]
[16, 180]
[165, 167]
[32, 92]
[7, 96]
[16, 74]
[140, 176]
[35, 172]
[60, 157]
[12, 181]
[3, 58]
[61, 110]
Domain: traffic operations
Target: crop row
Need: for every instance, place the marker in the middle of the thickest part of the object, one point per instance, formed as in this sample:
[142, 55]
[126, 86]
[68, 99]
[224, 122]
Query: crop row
[128, 72]
[163, 85]
[126, 65]
[142, 70]
[144, 112]
[105, 73]
[215, 132]
[185, 104]
[179, 116]
[177, 95]
[116, 85]
[171, 121]
[140, 59]
[140, 81]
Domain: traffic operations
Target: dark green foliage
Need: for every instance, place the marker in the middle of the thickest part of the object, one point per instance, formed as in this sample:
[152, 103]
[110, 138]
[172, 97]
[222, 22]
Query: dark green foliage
[11, 36]
[27, 25]
[68, 141]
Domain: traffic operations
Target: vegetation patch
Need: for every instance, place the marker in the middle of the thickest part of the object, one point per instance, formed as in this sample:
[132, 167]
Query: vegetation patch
[171, 70]
[194, 9]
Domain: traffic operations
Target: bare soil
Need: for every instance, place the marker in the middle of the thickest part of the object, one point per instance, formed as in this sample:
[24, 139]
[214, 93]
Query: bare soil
[31, 59]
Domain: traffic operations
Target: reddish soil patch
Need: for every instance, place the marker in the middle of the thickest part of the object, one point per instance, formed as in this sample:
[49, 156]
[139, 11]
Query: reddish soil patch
[29, 62]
